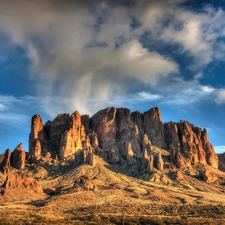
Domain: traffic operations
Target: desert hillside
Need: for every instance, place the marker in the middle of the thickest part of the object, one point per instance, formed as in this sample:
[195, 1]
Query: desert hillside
[117, 167]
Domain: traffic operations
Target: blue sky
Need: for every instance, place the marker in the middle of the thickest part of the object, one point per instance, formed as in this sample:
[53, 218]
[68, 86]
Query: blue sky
[62, 56]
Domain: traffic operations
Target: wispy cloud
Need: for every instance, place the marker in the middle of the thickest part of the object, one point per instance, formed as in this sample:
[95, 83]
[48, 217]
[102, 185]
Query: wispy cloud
[219, 149]
[191, 96]
[220, 96]
[144, 96]
[17, 112]
[85, 52]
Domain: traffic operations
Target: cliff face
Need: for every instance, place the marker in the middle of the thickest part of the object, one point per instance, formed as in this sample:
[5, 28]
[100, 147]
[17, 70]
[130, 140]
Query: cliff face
[191, 142]
[120, 136]
[63, 136]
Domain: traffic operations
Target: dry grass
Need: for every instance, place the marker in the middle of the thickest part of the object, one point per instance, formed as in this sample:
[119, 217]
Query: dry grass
[119, 199]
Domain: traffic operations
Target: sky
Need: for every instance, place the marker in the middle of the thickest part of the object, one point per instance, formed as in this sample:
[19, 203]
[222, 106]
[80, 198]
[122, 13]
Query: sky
[63, 56]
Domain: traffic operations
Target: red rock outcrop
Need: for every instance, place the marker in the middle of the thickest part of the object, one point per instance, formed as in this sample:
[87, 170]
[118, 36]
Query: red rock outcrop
[88, 152]
[18, 157]
[191, 142]
[62, 137]
[150, 164]
[15, 181]
[37, 139]
[84, 183]
[104, 124]
[5, 165]
[71, 139]
[127, 131]
[159, 162]
[122, 136]
[153, 126]
[209, 177]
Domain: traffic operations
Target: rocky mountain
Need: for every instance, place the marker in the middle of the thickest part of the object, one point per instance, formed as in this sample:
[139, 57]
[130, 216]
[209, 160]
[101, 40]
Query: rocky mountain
[93, 168]
[121, 136]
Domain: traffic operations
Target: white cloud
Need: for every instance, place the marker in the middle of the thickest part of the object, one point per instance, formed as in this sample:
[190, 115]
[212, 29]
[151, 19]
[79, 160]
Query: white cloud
[148, 96]
[219, 149]
[86, 52]
[220, 96]
[197, 33]
[190, 94]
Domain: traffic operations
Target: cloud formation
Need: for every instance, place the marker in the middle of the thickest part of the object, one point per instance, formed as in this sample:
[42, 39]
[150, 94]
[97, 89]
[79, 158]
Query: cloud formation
[221, 96]
[85, 54]
[16, 112]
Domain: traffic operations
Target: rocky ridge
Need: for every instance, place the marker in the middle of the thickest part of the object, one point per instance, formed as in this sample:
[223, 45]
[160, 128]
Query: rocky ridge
[121, 136]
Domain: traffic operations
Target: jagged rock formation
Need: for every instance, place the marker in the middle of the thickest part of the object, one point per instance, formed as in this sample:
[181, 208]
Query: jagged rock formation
[5, 165]
[37, 143]
[63, 136]
[18, 157]
[189, 141]
[15, 159]
[122, 136]
[15, 181]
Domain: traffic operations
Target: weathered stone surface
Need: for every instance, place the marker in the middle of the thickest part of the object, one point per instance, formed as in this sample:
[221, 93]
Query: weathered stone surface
[211, 156]
[147, 144]
[37, 138]
[159, 162]
[91, 159]
[71, 139]
[117, 134]
[221, 160]
[88, 155]
[171, 134]
[150, 164]
[5, 165]
[176, 157]
[15, 181]
[176, 175]
[191, 142]
[104, 124]
[18, 157]
[40, 173]
[145, 156]
[114, 155]
[85, 122]
[209, 177]
[153, 126]
[129, 153]
[93, 140]
[84, 183]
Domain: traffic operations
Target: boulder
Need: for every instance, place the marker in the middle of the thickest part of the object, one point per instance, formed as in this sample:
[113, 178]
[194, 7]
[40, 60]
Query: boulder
[84, 183]
[209, 177]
